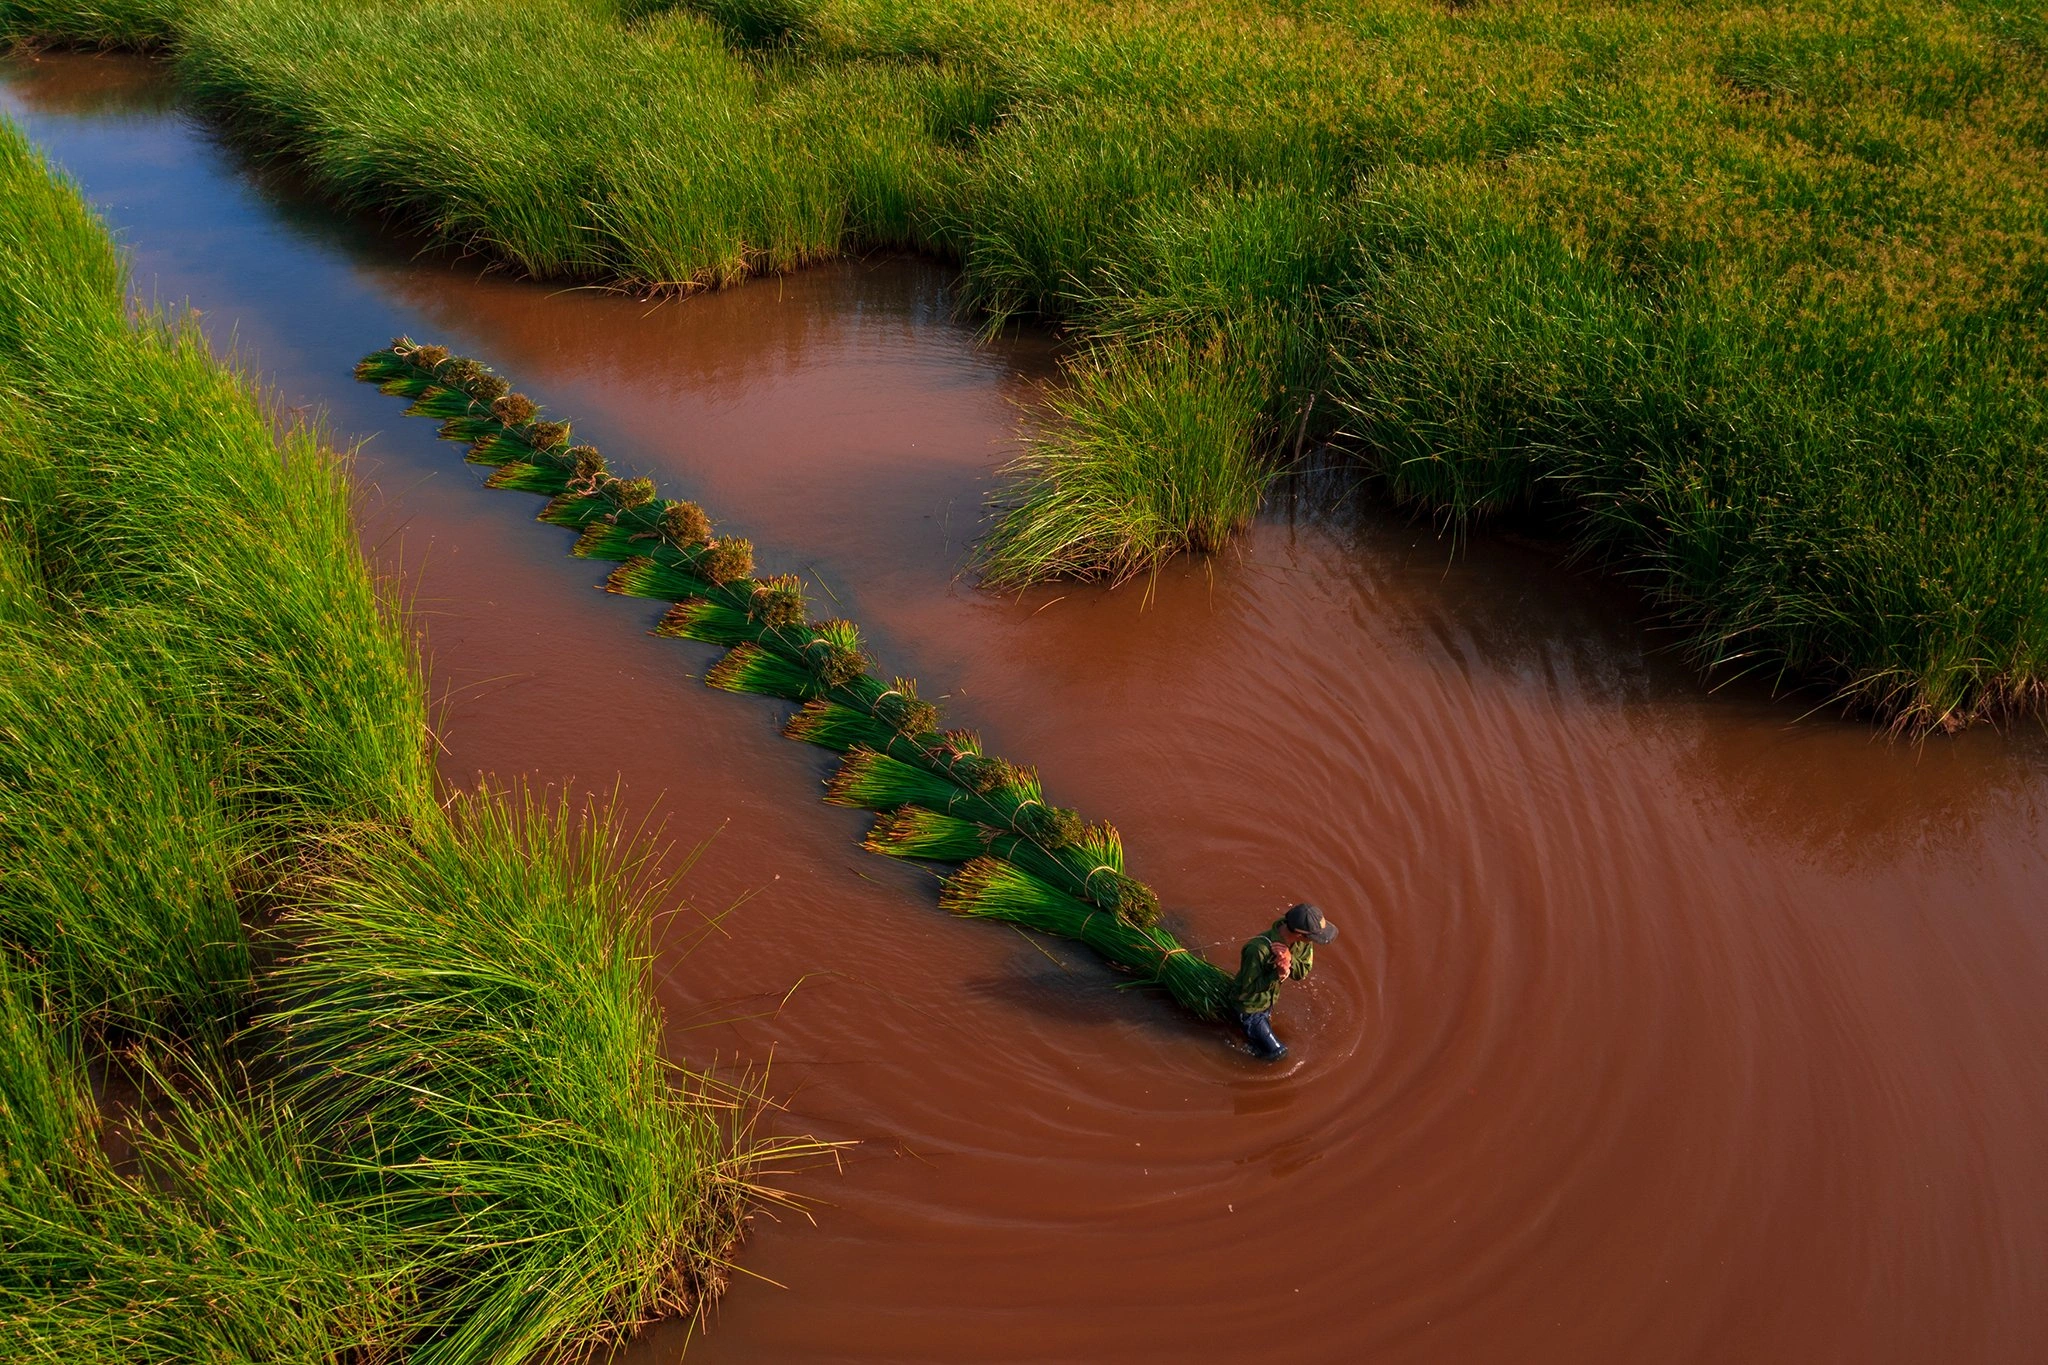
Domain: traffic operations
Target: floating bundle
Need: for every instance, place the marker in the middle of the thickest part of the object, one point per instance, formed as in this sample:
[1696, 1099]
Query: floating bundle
[940, 798]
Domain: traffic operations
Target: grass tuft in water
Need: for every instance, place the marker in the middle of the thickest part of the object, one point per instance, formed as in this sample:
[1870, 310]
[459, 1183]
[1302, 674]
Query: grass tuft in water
[1154, 455]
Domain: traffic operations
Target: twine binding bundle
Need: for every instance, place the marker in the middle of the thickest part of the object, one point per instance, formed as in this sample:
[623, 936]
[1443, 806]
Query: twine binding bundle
[939, 797]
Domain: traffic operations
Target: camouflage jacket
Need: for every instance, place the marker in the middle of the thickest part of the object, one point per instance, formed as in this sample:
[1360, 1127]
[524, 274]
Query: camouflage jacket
[1258, 978]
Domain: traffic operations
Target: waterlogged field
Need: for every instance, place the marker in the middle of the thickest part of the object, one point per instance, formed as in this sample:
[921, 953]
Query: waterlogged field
[1748, 301]
[1664, 1026]
[396, 1058]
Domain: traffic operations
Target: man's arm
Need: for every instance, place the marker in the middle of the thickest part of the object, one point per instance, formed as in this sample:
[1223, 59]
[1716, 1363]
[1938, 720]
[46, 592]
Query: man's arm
[1304, 962]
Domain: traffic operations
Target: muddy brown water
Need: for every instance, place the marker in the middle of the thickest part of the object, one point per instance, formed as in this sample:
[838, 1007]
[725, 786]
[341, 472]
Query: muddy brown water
[1666, 1025]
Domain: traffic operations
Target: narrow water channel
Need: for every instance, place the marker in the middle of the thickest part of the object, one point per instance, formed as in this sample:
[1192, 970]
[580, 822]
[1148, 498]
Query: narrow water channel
[1665, 1025]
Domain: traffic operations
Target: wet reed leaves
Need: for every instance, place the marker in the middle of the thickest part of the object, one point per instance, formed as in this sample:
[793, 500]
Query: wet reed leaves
[659, 576]
[711, 623]
[763, 672]
[942, 797]
[914, 832]
[830, 725]
[873, 781]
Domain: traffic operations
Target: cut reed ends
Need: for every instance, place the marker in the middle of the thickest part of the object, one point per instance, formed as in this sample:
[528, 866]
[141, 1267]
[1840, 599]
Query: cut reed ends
[914, 832]
[727, 559]
[902, 708]
[514, 410]
[831, 725]
[835, 654]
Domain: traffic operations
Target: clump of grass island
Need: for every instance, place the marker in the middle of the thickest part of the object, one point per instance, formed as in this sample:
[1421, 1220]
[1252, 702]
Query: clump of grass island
[404, 1094]
[1749, 301]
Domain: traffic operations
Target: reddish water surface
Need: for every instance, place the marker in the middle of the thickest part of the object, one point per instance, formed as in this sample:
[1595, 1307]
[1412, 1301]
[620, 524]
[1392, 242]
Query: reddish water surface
[1665, 1025]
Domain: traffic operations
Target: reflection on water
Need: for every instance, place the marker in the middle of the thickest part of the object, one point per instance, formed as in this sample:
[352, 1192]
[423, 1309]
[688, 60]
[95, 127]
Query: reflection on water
[1666, 1025]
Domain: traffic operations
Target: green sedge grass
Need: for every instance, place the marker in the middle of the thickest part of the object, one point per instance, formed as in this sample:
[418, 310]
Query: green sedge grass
[210, 713]
[1753, 298]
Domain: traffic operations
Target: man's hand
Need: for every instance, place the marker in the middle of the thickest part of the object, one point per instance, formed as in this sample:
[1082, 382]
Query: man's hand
[1283, 960]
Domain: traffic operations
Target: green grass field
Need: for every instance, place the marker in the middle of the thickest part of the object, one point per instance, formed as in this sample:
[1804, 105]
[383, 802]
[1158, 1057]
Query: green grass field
[1749, 300]
[401, 1058]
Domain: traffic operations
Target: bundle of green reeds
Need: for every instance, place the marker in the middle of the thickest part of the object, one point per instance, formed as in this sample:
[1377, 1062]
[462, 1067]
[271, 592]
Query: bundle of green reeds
[941, 798]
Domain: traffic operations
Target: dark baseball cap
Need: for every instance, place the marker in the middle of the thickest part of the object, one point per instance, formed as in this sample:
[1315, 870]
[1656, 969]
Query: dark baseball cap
[1307, 919]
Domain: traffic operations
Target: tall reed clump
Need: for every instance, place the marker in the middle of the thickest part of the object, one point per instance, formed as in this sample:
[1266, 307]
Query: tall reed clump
[1155, 453]
[1057, 872]
[486, 1081]
[213, 735]
[221, 1247]
[1837, 203]
[449, 1134]
[1815, 504]
[48, 1124]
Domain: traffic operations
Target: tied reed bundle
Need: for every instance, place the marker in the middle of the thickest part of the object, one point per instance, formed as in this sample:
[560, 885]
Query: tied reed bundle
[989, 888]
[914, 832]
[779, 601]
[909, 713]
[685, 525]
[941, 797]
[835, 653]
[728, 560]
[829, 725]
[711, 623]
[514, 410]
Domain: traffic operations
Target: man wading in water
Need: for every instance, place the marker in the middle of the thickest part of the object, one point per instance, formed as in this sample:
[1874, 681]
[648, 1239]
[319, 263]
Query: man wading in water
[1285, 952]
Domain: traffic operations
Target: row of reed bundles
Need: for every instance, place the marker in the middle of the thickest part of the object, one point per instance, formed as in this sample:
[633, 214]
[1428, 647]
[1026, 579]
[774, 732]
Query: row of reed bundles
[940, 797]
